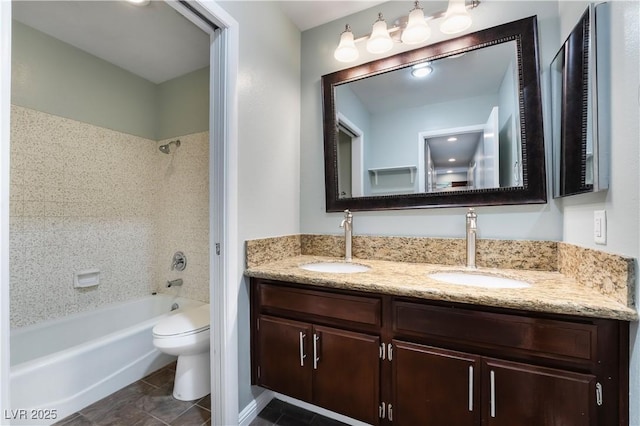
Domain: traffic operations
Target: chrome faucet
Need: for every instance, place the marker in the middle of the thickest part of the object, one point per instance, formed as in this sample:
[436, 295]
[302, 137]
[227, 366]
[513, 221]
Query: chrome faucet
[347, 224]
[472, 228]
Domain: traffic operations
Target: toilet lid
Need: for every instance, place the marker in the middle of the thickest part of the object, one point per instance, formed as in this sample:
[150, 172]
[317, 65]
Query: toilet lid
[190, 321]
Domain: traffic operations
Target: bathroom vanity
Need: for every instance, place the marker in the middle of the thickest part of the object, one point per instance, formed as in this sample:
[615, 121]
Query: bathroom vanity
[404, 353]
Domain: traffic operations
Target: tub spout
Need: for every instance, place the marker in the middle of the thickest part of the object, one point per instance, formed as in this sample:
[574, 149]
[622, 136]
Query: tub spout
[174, 283]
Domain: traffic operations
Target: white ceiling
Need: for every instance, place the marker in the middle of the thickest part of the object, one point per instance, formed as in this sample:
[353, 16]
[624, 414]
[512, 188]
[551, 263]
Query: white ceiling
[310, 14]
[154, 41]
[477, 73]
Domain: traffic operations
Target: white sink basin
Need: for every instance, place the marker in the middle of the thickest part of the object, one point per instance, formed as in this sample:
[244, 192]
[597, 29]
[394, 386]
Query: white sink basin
[335, 267]
[478, 280]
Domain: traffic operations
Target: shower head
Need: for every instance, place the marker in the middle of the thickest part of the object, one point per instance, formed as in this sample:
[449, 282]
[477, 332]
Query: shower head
[165, 148]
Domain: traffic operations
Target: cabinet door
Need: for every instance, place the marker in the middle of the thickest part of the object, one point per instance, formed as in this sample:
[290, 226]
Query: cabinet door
[347, 373]
[528, 395]
[283, 358]
[433, 386]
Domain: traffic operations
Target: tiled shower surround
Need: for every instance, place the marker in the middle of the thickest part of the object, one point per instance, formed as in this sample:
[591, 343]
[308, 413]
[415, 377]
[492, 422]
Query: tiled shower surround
[85, 197]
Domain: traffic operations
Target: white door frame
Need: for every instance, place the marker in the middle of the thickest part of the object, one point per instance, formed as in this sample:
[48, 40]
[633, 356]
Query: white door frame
[224, 248]
[432, 134]
[226, 269]
[357, 155]
[5, 115]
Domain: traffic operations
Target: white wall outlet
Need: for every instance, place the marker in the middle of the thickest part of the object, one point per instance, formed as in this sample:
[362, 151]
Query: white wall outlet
[600, 227]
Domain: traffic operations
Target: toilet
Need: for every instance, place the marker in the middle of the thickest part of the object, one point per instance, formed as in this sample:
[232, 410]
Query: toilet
[186, 335]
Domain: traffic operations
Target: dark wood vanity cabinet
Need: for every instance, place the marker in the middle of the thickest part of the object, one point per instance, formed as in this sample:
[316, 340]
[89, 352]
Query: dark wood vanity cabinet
[393, 360]
[311, 360]
[434, 386]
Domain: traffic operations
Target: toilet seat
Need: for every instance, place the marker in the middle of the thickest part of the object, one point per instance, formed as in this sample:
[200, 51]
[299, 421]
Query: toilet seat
[189, 322]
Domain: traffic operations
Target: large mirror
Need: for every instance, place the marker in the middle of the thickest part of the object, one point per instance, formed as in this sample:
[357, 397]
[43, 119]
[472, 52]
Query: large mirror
[466, 133]
[579, 72]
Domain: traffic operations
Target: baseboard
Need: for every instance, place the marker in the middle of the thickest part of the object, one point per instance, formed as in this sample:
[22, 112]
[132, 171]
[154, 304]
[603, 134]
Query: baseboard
[251, 411]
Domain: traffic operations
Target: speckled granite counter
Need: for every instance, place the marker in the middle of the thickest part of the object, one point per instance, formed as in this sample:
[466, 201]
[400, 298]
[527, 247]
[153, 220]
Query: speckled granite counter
[550, 291]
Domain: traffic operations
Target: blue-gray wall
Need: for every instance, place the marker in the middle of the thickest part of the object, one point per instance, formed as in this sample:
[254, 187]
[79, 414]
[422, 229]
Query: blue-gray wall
[51, 76]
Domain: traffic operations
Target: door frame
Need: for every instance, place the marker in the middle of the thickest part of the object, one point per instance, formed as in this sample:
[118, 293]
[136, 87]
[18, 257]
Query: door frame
[5, 152]
[225, 266]
[424, 135]
[225, 270]
[357, 155]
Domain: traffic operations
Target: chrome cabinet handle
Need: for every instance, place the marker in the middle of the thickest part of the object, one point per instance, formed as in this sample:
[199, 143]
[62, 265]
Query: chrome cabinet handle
[471, 388]
[493, 394]
[316, 357]
[302, 354]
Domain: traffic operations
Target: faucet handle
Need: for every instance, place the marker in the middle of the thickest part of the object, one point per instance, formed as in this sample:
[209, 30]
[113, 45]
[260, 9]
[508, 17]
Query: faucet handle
[348, 219]
[471, 214]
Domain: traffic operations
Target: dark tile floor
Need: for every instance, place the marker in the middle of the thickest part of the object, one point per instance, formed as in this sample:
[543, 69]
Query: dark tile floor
[149, 402]
[278, 413]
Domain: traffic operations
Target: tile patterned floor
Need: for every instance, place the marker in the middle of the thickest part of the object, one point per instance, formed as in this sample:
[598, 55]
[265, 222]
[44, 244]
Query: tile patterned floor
[148, 402]
[278, 413]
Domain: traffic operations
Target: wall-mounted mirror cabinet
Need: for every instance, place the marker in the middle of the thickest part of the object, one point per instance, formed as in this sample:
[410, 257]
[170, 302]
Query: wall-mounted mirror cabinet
[466, 133]
[579, 87]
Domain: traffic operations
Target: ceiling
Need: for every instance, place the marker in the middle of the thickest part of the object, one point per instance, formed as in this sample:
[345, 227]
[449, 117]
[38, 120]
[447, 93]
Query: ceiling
[475, 74]
[310, 14]
[119, 32]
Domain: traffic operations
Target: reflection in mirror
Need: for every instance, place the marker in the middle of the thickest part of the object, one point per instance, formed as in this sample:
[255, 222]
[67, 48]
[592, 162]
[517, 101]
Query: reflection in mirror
[453, 129]
[469, 132]
[580, 154]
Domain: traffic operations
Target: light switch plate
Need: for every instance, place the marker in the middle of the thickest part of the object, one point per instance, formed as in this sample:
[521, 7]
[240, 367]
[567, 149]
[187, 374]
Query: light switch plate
[600, 227]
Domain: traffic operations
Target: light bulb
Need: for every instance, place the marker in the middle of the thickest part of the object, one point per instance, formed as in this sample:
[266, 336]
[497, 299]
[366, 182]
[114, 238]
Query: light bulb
[417, 30]
[379, 40]
[346, 50]
[456, 18]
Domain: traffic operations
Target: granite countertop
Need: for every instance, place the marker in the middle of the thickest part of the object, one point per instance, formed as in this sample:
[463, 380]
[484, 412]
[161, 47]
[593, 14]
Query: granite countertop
[550, 292]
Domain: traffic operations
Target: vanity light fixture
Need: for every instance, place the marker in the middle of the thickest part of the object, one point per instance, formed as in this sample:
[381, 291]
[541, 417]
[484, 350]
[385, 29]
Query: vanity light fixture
[421, 70]
[417, 30]
[456, 18]
[379, 40]
[346, 50]
[412, 29]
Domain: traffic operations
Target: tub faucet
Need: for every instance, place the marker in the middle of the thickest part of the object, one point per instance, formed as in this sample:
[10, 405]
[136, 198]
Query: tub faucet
[174, 283]
[347, 224]
[472, 228]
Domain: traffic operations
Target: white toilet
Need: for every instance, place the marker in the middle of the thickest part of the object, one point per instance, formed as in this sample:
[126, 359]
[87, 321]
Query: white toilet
[186, 335]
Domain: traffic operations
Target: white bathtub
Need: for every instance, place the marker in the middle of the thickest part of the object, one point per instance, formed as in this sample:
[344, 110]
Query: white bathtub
[63, 365]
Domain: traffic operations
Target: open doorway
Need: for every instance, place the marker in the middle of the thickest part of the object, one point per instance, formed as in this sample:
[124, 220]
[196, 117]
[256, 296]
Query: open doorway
[223, 157]
[350, 159]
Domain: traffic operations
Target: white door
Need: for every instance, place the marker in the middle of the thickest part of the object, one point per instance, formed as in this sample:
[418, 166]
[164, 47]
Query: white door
[491, 161]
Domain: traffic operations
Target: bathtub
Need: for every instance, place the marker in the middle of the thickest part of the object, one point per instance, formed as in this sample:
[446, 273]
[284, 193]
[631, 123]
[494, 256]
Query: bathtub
[61, 366]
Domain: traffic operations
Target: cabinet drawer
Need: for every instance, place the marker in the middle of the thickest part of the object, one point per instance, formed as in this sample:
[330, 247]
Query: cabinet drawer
[360, 309]
[542, 337]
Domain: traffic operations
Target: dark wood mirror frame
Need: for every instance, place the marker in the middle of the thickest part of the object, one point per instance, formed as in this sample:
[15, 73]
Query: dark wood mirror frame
[533, 190]
[576, 106]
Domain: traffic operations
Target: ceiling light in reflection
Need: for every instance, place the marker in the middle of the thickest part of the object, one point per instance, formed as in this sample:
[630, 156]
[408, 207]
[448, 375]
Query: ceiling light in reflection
[421, 70]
